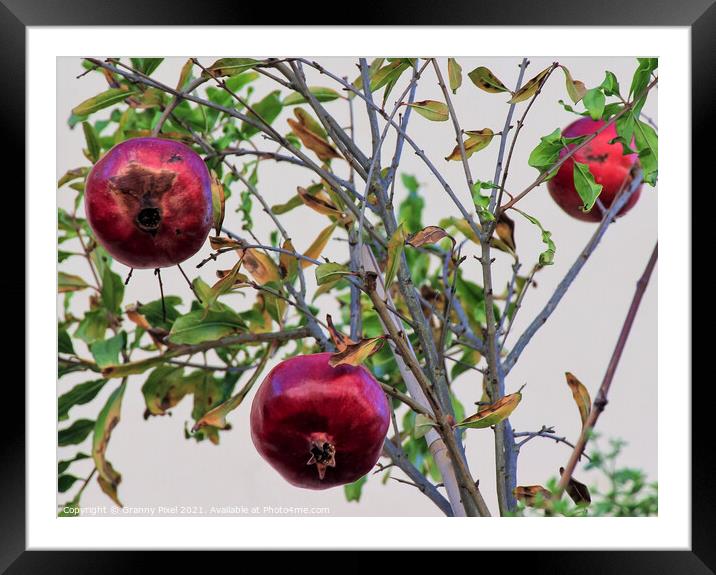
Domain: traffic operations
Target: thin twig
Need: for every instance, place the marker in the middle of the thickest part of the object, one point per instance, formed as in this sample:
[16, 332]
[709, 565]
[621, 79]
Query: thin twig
[600, 401]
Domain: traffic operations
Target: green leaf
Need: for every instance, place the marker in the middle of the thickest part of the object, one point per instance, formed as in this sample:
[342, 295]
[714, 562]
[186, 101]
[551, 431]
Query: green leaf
[454, 75]
[647, 144]
[586, 187]
[546, 154]
[205, 325]
[354, 490]
[546, 258]
[93, 145]
[146, 65]
[75, 433]
[104, 100]
[484, 79]
[432, 110]
[396, 245]
[64, 342]
[152, 311]
[610, 85]
[78, 395]
[107, 420]
[388, 74]
[63, 466]
[642, 75]
[594, 101]
[68, 282]
[267, 109]
[330, 272]
[320, 93]
[106, 352]
[64, 482]
[411, 208]
[112, 291]
[93, 326]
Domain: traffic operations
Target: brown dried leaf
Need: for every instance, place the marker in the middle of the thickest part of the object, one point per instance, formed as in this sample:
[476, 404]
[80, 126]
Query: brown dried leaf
[528, 494]
[428, 235]
[577, 490]
[320, 203]
[505, 230]
[340, 340]
[221, 242]
[581, 396]
[357, 353]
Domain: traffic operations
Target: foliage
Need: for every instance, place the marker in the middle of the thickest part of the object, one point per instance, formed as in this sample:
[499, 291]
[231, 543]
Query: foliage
[210, 349]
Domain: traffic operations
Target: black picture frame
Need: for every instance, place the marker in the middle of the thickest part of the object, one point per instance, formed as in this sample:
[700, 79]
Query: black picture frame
[16, 15]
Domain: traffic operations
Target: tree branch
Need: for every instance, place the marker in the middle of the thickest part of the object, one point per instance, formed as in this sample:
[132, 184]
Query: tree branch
[601, 400]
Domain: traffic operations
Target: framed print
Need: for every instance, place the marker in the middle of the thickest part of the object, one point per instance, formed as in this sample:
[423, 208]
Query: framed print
[353, 286]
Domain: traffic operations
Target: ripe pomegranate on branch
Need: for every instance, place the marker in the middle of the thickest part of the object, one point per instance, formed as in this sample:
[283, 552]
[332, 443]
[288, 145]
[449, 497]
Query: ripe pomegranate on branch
[417, 302]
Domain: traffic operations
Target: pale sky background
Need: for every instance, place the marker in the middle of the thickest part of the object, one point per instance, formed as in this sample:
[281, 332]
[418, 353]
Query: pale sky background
[160, 467]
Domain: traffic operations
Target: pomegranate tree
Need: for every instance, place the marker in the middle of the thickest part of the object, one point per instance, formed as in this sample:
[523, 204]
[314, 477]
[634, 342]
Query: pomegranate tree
[148, 201]
[608, 164]
[319, 426]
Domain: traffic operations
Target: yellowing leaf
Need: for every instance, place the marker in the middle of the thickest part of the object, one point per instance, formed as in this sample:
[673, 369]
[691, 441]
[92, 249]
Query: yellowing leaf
[310, 123]
[340, 340]
[494, 413]
[486, 80]
[316, 248]
[217, 202]
[423, 423]
[530, 88]
[578, 492]
[477, 140]
[432, 110]
[287, 265]
[581, 396]
[185, 74]
[226, 282]
[68, 282]
[575, 88]
[108, 418]
[230, 67]
[313, 141]
[396, 245]
[319, 203]
[357, 353]
[260, 266]
[103, 100]
[454, 74]
[532, 495]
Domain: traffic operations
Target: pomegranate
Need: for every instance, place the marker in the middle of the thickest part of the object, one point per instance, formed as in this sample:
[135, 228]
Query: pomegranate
[148, 202]
[609, 166]
[319, 426]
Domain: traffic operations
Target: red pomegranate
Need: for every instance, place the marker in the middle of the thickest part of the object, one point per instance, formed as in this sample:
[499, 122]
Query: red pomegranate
[148, 201]
[319, 426]
[607, 164]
